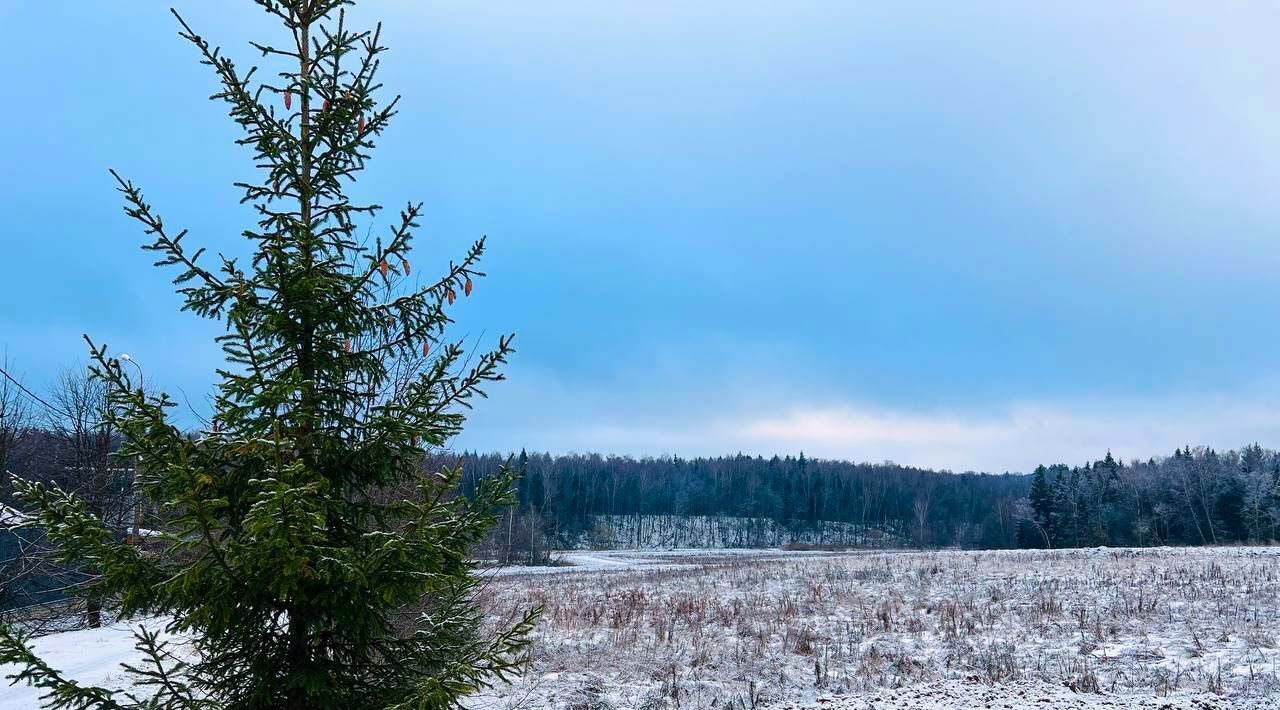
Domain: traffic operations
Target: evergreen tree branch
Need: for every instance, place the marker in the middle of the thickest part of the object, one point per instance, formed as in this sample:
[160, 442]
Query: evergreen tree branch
[164, 673]
[60, 693]
[206, 299]
[80, 538]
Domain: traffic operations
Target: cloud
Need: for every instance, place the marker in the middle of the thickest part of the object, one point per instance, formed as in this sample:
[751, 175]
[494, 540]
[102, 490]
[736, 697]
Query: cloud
[1012, 437]
[1017, 438]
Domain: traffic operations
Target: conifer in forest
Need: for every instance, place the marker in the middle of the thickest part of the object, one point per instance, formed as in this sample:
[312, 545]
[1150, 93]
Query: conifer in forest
[308, 560]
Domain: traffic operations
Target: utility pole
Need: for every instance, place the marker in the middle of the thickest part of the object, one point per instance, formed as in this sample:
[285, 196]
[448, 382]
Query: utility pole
[136, 537]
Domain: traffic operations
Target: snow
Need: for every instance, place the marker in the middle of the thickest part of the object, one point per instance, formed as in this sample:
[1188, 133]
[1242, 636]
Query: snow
[12, 517]
[961, 695]
[1158, 629]
[645, 560]
[1119, 628]
[701, 531]
[90, 656]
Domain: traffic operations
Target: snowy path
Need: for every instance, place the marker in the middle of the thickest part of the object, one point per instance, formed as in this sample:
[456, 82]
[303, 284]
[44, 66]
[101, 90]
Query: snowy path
[651, 560]
[573, 562]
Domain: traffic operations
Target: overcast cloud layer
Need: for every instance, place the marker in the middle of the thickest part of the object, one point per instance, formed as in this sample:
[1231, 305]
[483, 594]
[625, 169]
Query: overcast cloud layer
[978, 236]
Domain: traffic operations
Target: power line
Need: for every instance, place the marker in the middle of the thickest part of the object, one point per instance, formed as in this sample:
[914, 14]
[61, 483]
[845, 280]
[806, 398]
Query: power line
[33, 395]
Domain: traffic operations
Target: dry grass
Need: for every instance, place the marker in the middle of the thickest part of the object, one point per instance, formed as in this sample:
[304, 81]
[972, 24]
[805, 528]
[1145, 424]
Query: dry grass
[741, 632]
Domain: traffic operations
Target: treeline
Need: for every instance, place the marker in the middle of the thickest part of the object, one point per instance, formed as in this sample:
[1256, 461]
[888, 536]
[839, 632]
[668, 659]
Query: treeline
[1194, 497]
[563, 500]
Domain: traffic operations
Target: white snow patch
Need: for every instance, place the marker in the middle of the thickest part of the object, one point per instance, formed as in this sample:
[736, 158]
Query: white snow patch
[90, 657]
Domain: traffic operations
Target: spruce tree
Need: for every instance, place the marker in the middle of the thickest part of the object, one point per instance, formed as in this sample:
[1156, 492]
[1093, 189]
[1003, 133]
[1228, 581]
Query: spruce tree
[1041, 497]
[308, 559]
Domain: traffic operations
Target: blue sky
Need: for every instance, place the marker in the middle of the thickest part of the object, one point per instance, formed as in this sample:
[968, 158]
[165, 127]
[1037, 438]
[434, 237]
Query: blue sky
[966, 237]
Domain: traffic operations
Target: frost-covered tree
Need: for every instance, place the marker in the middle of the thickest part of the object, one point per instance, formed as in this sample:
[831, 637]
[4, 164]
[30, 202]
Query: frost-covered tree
[309, 560]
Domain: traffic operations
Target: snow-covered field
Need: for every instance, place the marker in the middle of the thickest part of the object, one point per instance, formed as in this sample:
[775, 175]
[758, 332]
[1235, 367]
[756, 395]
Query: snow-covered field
[1163, 629]
[1160, 628]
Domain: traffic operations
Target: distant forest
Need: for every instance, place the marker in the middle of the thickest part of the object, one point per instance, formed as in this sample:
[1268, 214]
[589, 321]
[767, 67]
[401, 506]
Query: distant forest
[1196, 496]
[562, 498]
